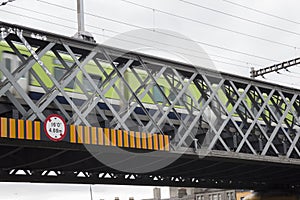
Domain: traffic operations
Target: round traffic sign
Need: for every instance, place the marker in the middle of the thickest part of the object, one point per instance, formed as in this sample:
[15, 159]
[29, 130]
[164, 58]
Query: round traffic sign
[55, 127]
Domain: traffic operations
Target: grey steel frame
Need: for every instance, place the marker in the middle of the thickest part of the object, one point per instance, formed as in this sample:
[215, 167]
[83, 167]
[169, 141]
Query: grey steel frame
[206, 110]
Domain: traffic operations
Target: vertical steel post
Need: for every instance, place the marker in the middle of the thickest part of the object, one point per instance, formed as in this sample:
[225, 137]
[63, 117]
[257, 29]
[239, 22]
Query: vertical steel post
[80, 16]
[82, 34]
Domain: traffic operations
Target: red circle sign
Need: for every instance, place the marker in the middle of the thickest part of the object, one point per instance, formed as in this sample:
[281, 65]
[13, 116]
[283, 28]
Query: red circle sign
[55, 127]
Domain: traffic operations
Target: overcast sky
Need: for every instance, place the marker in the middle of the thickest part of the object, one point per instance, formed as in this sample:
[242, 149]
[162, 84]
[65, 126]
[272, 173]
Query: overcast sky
[267, 30]
[236, 34]
[34, 191]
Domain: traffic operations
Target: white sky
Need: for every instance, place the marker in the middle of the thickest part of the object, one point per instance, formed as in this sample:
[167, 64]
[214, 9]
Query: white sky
[119, 10]
[35, 191]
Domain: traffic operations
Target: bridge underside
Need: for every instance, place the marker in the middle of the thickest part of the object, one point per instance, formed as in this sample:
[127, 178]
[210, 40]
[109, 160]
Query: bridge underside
[29, 161]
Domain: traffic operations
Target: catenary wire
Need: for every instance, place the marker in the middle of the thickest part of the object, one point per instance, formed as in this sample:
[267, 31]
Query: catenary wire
[289, 75]
[130, 25]
[236, 60]
[212, 60]
[46, 21]
[42, 20]
[175, 51]
[163, 33]
[128, 36]
[288, 84]
[51, 22]
[93, 26]
[238, 17]
[218, 27]
[261, 12]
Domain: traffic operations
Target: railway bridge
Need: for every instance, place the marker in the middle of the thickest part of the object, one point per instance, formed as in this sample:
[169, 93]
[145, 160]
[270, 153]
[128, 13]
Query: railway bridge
[74, 111]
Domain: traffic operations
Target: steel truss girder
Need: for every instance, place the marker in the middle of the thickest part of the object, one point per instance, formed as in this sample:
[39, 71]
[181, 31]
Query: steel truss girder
[85, 177]
[232, 113]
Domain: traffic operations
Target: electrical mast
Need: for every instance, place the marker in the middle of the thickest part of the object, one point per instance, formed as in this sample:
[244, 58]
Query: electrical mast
[82, 34]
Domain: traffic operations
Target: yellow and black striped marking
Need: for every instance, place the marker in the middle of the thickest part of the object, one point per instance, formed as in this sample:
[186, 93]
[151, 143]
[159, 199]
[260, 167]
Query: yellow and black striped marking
[33, 130]
[120, 138]
[20, 129]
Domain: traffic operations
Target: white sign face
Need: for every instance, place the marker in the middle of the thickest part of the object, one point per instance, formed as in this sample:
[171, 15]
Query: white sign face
[55, 127]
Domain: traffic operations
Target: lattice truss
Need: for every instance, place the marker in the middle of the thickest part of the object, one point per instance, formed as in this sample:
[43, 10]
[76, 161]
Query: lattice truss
[101, 86]
[115, 178]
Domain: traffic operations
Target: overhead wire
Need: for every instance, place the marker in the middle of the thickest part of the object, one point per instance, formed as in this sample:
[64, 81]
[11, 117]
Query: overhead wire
[218, 27]
[46, 21]
[291, 71]
[261, 12]
[42, 20]
[136, 37]
[163, 33]
[287, 84]
[180, 47]
[69, 27]
[284, 73]
[41, 13]
[238, 17]
[205, 58]
[141, 38]
[289, 75]
[241, 18]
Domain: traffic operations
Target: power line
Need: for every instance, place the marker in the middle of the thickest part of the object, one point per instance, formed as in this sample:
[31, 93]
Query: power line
[180, 47]
[158, 42]
[238, 17]
[261, 12]
[209, 59]
[218, 27]
[289, 75]
[43, 13]
[171, 35]
[46, 21]
[205, 58]
[233, 64]
[98, 16]
[50, 22]
[278, 80]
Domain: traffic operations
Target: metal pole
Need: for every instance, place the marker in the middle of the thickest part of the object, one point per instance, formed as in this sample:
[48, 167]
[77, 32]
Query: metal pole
[91, 192]
[80, 16]
[82, 34]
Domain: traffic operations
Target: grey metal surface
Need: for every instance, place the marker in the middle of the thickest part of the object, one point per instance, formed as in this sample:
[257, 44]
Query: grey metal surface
[219, 111]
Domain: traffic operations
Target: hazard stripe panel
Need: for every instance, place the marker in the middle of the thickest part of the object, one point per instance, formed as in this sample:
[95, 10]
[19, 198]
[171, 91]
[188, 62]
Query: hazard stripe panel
[126, 141]
[144, 140]
[3, 127]
[87, 135]
[72, 134]
[37, 130]
[113, 137]
[12, 128]
[94, 135]
[21, 129]
[100, 136]
[33, 130]
[120, 138]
